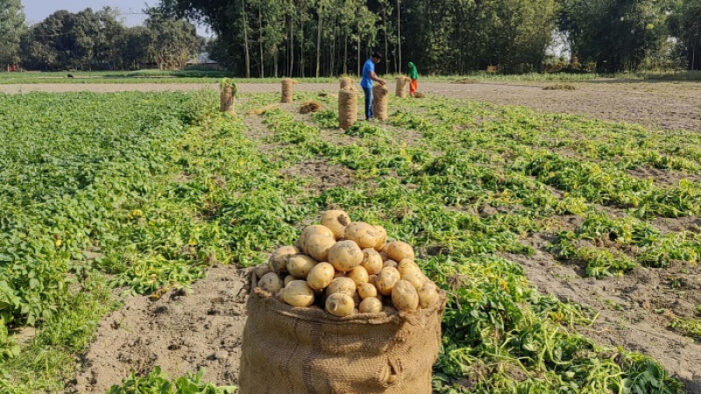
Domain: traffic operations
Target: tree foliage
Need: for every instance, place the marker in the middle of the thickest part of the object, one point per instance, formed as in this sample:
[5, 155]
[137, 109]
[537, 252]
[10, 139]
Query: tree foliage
[97, 40]
[616, 34]
[443, 36]
[11, 28]
[330, 37]
[685, 24]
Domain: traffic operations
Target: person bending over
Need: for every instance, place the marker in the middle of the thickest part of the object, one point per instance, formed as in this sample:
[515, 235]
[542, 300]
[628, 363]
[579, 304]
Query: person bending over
[414, 76]
[366, 83]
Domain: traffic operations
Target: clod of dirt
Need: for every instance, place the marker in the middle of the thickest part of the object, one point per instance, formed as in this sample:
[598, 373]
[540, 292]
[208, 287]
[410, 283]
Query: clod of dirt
[560, 86]
[176, 332]
[466, 81]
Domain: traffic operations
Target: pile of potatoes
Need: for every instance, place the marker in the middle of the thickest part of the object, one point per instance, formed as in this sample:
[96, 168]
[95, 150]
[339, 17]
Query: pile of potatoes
[346, 268]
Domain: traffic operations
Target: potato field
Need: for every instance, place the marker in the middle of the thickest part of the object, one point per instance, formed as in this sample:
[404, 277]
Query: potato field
[568, 247]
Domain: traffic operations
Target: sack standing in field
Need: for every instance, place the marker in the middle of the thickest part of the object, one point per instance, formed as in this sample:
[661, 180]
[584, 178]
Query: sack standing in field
[379, 104]
[342, 311]
[400, 90]
[227, 95]
[288, 87]
[346, 82]
[347, 107]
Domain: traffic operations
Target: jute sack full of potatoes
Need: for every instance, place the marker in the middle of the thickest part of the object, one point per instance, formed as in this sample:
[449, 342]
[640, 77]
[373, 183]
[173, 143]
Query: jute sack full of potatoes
[350, 267]
[342, 310]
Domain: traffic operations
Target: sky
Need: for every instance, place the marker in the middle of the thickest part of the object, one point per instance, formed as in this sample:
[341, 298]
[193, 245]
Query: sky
[130, 10]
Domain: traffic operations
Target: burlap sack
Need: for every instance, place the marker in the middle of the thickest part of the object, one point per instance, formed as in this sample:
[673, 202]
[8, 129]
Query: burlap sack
[347, 108]
[346, 82]
[226, 99]
[402, 81]
[288, 87]
[306, 350]
[380, 95]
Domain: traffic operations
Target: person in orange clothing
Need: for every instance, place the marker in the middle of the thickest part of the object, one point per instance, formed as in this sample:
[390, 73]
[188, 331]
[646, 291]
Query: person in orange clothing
[414, 75]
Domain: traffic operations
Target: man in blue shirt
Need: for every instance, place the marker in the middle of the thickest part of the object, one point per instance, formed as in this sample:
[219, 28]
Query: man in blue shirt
[366, 83]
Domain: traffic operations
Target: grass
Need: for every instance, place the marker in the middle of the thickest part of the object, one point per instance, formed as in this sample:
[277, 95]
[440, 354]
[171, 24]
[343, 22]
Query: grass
[162, 186]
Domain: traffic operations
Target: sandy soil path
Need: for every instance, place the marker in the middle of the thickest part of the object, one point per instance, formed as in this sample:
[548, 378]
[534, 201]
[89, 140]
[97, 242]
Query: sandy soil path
[665, 105]
[181, 332]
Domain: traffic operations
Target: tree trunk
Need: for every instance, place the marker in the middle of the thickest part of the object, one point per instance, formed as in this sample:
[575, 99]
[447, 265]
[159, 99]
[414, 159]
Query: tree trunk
[399, 35]
[345, 53]
[292, 47]
[275, 60]
[301, 48]
[318, 41]
[260, 43]
[332, 60]
[245, 40]
[358, 50]
[384, 19]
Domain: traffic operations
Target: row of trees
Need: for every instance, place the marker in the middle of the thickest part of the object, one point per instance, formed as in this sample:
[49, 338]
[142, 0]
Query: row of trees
[94, 40]
[330, 37]
[321, 37]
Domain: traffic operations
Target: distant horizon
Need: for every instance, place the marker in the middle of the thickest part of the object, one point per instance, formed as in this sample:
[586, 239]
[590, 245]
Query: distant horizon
[130, 11]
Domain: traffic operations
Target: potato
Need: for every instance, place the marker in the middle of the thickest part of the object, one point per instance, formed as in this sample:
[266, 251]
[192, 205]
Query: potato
[298, 294]
[365, 235]
[404, 296]
[339, 304]
[372, 261]
[344, 255]
[341, 285]
[270, 282]
[315, 229]
[428, 294]
[415, 277]
[320, 276]
[288, 279]
[336, 221]
[381, 237]
[389, 263]
[367, 290]
[318, 245]
[299, 265]
[278, 260]
[359, 275]
[370, 305]
[383, 254]
[407, 265]
[386, 280]
[399, 251]
[261, 270]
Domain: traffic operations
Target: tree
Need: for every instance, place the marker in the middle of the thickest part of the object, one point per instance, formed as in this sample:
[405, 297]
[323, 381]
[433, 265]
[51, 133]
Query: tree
[65, 40]
[685, 24]
[399, 35]
[134, 46]
[11, 29]
[616, 34]
[174, 41]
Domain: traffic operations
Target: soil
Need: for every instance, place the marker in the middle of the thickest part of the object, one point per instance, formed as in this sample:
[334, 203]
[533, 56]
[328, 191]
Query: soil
[664, 105]
[183, 331]
[634, 309]
[322, 174]
[665, 177]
